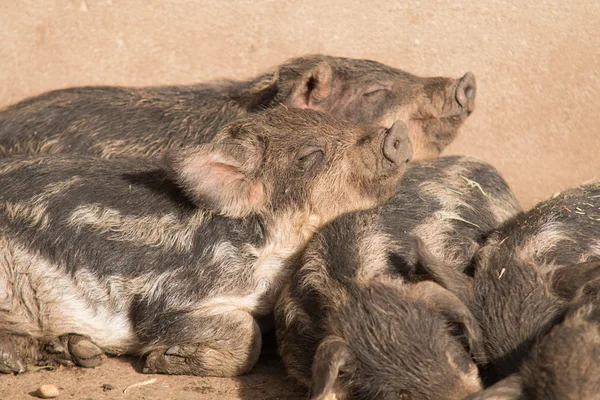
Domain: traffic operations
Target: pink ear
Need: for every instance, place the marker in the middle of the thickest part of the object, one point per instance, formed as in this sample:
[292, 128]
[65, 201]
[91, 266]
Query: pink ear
[314, 87]
[214, 179]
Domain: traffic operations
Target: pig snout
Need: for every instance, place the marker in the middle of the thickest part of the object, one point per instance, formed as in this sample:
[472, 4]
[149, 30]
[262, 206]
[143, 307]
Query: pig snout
[397, 147]
[466, 90]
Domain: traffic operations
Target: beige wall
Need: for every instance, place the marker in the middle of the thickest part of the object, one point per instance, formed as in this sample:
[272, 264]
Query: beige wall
[536, 62]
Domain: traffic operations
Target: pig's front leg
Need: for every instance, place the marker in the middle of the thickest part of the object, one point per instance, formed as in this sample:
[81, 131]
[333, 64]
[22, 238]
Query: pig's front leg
[10, 359]
[73, 349]
[17, 351]
[227, 344]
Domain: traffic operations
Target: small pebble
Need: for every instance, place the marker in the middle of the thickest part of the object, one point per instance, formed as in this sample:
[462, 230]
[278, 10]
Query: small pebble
[107, 386]
[47, 391]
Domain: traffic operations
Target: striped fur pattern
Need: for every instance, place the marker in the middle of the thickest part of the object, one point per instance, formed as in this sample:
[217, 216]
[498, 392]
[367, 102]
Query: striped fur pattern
[167, 260]
[115, 122]
[538, 269]
[354, 299]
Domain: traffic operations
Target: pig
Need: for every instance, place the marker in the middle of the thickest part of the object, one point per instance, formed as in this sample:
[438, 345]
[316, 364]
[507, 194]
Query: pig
[110, 121]
[528, 273]
[451, 203]
[355, 287]
[179, 260]
[562, 365]
[565, 364]
[349, 328]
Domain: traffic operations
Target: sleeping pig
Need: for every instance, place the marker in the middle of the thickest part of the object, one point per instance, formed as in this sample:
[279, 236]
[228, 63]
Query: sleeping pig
[180, 260]
[353, 323]
[110, 121]
[528, 274]
[562, 365]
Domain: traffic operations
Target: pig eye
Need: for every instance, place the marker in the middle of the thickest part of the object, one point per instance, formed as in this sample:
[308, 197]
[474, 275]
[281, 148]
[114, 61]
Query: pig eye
[309, 157]
[375, 92]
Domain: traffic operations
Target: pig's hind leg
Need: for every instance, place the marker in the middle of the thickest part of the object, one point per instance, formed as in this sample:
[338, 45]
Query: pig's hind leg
[227, 344]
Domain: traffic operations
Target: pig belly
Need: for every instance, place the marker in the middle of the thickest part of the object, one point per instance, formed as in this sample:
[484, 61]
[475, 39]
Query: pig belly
[39, 299]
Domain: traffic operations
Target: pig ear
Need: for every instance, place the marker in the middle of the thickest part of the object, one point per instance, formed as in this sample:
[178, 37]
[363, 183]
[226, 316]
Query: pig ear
[455, 281]
[261, 92]
[314, 87]
[456, 311]
[332, 355]
[569, 282]
[510, 388]
[589, 292]
[214, 179]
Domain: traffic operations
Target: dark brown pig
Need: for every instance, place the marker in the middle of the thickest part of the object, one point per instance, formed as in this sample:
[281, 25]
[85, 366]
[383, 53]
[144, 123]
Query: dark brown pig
[179, 262]
[451, 203]
[349, 328]
[527, 274]
[562, 365]
[112, 121]
[565, 364]
[390, 337]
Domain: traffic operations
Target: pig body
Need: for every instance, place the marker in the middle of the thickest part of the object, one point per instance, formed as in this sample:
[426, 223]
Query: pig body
[353, 287]
[562, 365]
[563, 230]
[180, 262]
[451, 203]
[516, 298]
[141, 122]
[348, 327]
[565, 364]
[527, 274]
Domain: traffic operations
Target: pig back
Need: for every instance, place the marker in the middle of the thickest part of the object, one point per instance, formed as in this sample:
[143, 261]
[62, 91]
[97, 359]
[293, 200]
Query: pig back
[452, 204]
[122, 217]
[560, 231]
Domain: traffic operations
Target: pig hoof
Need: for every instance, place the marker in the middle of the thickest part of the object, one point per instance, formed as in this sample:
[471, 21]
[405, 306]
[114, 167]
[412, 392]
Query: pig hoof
[85, 353]
[178, 360]
[199, 360]
[9, 359]
[171, 361]
[55, 352]
[55, 346]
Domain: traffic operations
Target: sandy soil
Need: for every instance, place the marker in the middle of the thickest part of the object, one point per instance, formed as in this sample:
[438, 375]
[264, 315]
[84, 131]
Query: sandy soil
[266, 382]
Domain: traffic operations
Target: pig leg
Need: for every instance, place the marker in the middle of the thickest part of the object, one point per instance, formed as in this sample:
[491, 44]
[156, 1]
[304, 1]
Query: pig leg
[74, 349]
[10, 359]
[224, 345]
[16, 351]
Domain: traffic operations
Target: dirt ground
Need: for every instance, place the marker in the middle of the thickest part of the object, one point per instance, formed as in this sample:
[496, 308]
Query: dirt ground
[267, 381]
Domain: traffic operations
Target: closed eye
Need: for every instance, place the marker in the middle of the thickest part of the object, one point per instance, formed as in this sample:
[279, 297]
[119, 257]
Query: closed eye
[309, 158]
[375, 92]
